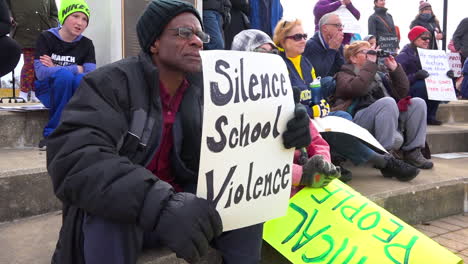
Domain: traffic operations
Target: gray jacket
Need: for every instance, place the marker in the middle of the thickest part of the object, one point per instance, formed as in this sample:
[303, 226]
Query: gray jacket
[31, 18]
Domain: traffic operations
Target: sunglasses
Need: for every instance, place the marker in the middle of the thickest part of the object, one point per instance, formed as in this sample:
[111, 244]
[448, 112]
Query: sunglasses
[262, 50]
[336, 25]
[297, 37]
[187, 33]
[425, 39]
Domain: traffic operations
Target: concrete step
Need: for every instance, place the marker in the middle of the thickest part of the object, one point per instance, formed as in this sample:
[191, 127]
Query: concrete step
[19, 130]
[25, 187]
[434, 194]
[33, 240]
[449, 137]
[453, 112]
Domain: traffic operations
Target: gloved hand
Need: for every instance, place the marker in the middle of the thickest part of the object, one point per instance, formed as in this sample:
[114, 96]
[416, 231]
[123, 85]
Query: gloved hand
[450, 74]
[421, 75]
[297, 133]
[317, 172]
[187, 225]
[404, 103]
[320, 110]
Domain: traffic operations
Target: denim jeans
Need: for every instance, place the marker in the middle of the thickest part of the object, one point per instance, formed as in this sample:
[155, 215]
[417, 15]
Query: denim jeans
[347, 146]
[213, 23]
[54, 93]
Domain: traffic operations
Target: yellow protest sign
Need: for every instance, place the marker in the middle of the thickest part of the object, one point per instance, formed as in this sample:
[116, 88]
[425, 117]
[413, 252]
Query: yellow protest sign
[336, 224]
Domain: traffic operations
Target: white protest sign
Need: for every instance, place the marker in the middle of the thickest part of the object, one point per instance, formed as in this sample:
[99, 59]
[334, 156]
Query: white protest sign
[439, 86]
[351, 24]
[454, 60]
[244, 167]
[341, 125]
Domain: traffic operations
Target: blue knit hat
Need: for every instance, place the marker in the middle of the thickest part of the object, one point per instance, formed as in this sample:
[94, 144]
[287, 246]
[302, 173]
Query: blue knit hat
[156, 16]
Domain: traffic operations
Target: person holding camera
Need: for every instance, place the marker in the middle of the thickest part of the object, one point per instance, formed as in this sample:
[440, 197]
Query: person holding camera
[371, 98]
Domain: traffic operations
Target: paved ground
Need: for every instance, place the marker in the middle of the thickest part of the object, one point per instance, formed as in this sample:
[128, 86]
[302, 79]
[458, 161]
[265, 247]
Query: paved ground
[450, 232]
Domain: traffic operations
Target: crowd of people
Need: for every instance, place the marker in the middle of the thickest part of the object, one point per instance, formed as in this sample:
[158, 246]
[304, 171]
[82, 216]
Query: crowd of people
[123, 141]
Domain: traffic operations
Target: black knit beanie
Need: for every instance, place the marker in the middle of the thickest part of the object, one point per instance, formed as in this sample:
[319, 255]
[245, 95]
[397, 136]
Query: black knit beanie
[156, 16]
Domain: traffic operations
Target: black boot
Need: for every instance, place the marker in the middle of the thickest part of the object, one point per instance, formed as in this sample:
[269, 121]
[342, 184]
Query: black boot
[399, 169]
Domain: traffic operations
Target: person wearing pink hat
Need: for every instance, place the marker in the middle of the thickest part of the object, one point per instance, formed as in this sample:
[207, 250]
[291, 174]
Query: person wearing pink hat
[428, 20]
[408, 58]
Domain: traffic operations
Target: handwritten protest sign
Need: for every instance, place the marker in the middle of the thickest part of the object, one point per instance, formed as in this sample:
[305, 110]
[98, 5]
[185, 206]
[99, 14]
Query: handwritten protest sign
[388, 42]
[439, 86]
[454, 60]
[336, 224]
[335, 124]
[244, 167]
[351, 24]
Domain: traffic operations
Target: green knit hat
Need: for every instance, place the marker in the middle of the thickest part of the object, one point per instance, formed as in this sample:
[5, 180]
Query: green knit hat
[68, 7]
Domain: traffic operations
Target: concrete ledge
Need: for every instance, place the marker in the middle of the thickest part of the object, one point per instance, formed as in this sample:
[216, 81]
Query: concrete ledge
[21, 129]
[433, 194]
[448, 138]
[453, 112]
[25, 186]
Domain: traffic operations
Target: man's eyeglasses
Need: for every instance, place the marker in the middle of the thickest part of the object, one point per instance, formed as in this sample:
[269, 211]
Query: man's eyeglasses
[336, 25]
[297, 37]
[425, 38]
[187, 33]
[262, 50]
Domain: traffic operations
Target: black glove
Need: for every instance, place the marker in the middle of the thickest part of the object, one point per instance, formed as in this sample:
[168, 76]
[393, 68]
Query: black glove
[450, 74]
[187, 225]
[317, 172]
[421, 75]
[297, 133]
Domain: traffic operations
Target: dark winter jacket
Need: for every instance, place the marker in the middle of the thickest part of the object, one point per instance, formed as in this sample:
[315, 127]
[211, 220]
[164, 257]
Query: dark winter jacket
[460, 37]
[222, 6]
[32, 17]
[323, 7]
[430, 24]
[5, 24]
[409, 60]
[302, 83]
[376, 25]
[239, 21]
[326, 61]
[355, 91]
[97, 156]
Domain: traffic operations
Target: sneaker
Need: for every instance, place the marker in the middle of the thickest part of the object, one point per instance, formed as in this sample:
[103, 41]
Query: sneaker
[34, 99]
[416, 158]
[23, 96]
[399, 169]
[434, 122]
[346, 175]
[42, 145]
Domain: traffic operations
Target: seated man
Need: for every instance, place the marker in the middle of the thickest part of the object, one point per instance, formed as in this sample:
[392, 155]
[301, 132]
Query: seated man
[124, 160]
[325, 50]
[371, 98]
[63, 56]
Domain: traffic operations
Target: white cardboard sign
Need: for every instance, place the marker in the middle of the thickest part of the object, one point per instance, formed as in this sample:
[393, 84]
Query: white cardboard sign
[351, 24]
[454, 60]
[244, 168]
[439, 86]
[337, 124]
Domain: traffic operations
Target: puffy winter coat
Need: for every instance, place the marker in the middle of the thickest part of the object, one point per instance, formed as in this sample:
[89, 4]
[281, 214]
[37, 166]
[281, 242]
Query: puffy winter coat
[97, 156]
